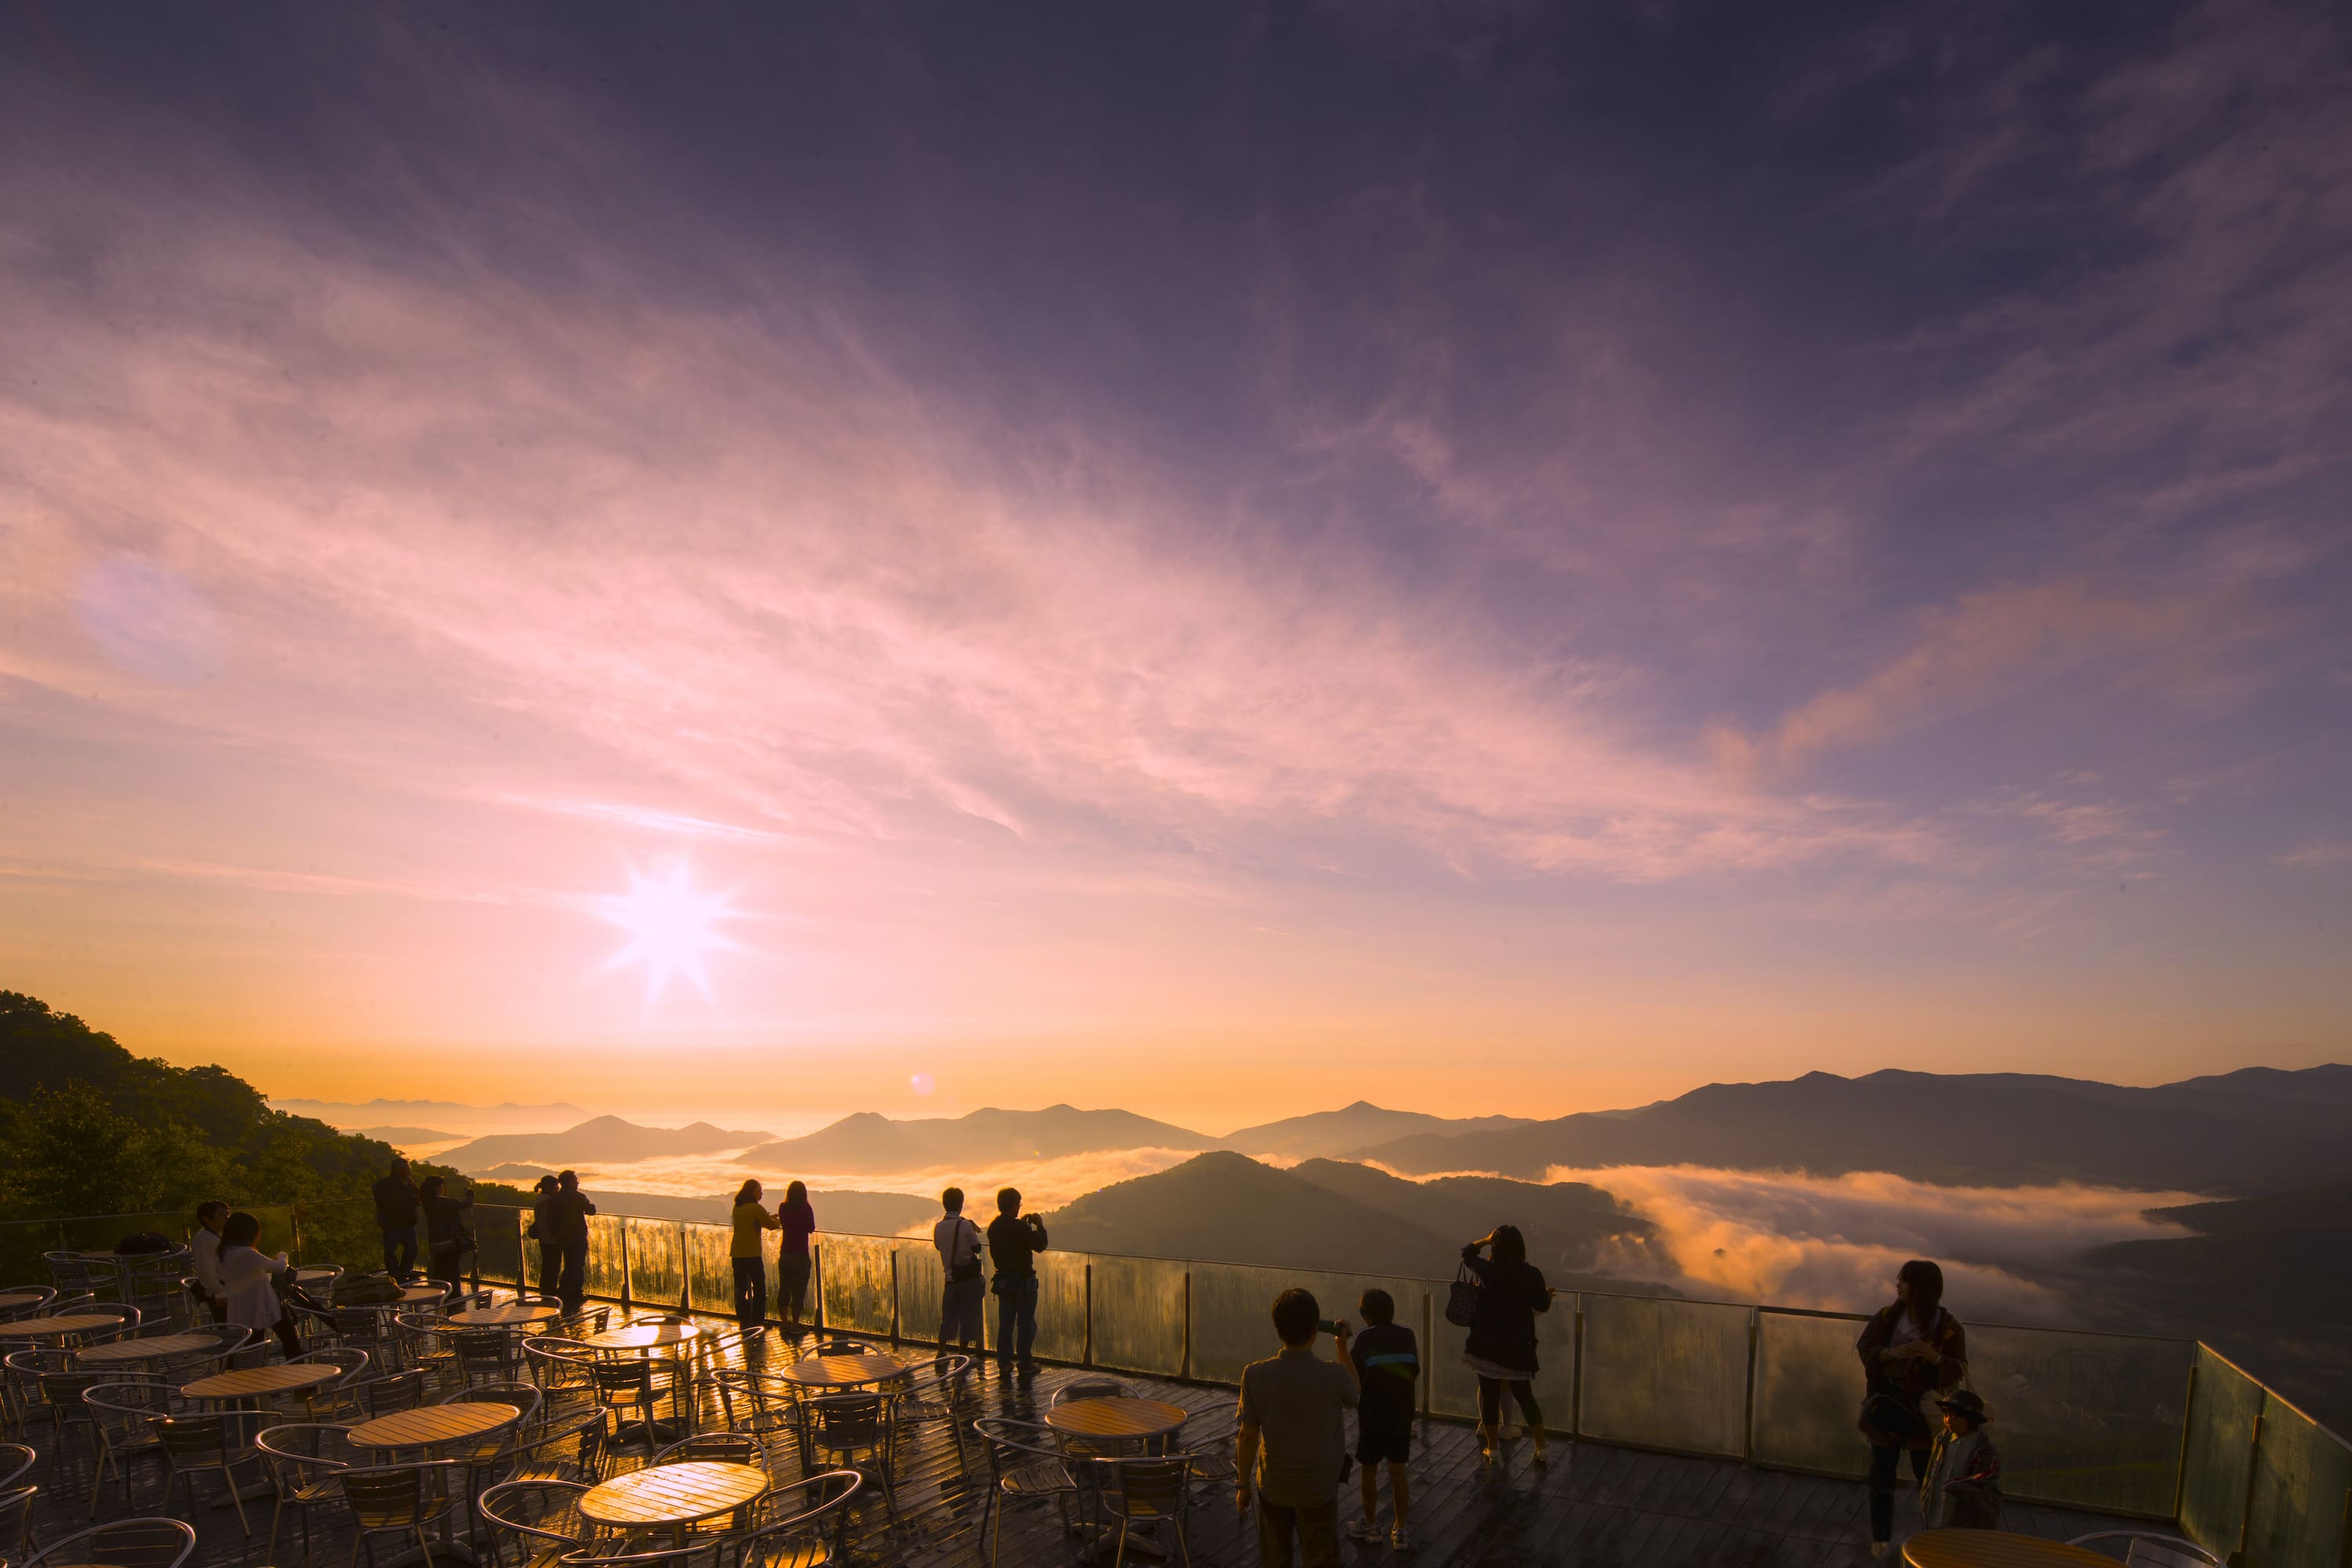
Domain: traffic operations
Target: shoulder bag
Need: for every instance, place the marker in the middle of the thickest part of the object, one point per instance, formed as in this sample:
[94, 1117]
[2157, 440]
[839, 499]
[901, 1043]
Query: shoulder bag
[1462, 1301]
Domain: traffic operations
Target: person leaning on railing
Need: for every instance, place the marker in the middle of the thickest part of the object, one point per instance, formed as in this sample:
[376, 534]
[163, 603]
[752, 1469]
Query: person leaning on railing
[1501, 1349]
[568, 1209]
[747, 1252]
[1911, 1347]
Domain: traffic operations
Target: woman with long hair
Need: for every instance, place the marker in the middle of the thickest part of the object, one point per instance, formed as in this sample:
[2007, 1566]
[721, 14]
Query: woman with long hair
[1910, 1348]
[1501, 1349]
[248, 1284]
[798, 1221]
[751, 1217]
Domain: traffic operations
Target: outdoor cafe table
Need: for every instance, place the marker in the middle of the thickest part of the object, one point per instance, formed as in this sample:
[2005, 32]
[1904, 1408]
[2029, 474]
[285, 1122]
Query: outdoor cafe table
[641, 1336]
[16, 1298]
[1117, 1420]
[842, 1371]
[430, 1426]
[253, 1382]
[1995, 1549]
[66, 1327]
[420, 1295]
[121, 1352]
[506, 1314]
[667, 1497]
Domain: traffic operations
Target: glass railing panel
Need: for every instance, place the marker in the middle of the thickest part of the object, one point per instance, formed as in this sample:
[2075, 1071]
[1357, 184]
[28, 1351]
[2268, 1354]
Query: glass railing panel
[606, 1275]
[499, 1244]
[920, 1278]
[710, 1268]
[341, 1233]
[1138, 1314]
[1665, 1374]
[2295, 1513]
[2219, 1454]
[1808, 1392]
[854, 1276]
[1453, 1388]
[1061, 1307]
[656, 1264]
[2089, 1421]
[1232, 1306]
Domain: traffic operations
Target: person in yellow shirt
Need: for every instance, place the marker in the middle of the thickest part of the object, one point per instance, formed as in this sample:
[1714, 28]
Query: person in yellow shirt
[751, 1217]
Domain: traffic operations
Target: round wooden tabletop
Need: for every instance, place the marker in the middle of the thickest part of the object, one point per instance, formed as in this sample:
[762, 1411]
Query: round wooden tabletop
[506, 1314]
[1117, 1418]
[672, 1494]
[162, 1346]
[1996, 1549]
[430, 1424]
[641, 1336]
[71, 1323]
[419, 1294]
[250, 1382]
[16, 1298]
[842, 1371]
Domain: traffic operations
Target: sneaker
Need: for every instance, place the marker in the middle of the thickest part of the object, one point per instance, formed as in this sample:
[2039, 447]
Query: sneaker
[1400, 1540]
[1362, 1530]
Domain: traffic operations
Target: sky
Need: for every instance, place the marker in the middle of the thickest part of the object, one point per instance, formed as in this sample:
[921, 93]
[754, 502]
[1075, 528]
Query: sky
[1217, 560]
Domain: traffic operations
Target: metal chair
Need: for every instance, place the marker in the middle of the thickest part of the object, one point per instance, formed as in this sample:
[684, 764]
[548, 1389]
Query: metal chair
[401, 1500]
[588, 1321]
[397, 1391]
[2147, 1549]
[796, 1540]
[840, 1426]
[1153, 1490]
[573, 1452]
[124, 1544]
[939, 1393]
[638, 1384]
[541, 1514]
[303, 1461]
[16, 1522]
[1023, 1466]
[197, 1444]
[326, 1400]
[15, 1458]
[492, 1355]
[123, 1417]
[558, 1364]
[723, 1447]
[1091, 1388]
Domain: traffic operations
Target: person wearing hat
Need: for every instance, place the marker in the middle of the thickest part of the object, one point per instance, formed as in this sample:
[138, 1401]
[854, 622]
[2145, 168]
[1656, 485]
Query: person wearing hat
[1962, 1490]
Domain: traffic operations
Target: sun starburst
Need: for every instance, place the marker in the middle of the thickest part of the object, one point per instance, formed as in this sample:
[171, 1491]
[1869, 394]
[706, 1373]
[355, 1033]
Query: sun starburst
[673, 927]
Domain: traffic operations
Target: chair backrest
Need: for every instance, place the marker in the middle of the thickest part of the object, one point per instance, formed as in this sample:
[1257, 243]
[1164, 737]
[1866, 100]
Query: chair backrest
[581, 1324]
[16, 1519]
[780, 1542]
[523, 1396]
[393, 1391]
[850, 1420]
[485, 1349]
[302, 1451]
[15, 1458]
[391, 1497]
[543, 1511]
[726, 1447]
[626, 1374]
[352, 1361]
[124, 1544]
[198, 1437]
[1092, 1388]
[1012, 1443]
[2147, 1549]
[1145, 1487]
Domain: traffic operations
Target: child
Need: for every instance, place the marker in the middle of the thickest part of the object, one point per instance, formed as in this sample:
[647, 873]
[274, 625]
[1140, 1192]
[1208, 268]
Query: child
[1387, 1360]
[1962, 1490]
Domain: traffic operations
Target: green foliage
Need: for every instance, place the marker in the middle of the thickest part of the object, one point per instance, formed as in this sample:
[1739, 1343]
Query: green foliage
[87, 1128]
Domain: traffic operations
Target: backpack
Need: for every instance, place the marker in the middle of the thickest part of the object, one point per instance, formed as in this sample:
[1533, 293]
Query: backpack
[141, 1243]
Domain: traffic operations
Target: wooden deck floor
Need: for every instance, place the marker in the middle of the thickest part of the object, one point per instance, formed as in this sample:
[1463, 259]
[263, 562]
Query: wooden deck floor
[1591, 1505]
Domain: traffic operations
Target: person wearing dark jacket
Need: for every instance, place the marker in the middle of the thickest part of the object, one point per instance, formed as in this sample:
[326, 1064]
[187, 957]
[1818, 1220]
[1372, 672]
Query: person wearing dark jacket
[1910, 1348]
[568, 1209]
[543, 1231]
[447, 1237]
[1962, 1490]
[1501, 1349]
[395, 1216]
[1013, 1241]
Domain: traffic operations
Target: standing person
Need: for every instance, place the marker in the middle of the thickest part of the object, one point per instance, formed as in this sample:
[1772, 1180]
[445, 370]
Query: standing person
[249, 1282]
[543, 1231]
[1501, 1349]
[750, 1256]
[568, 1211]
[1387, 1358]
[1911, 1347]
[447, 1237]
[797, 1220]
[1291, 1440]
[395, 1216]
[1962, 1490]
[211, 1215]
[958, 1240]
[1013, 1241]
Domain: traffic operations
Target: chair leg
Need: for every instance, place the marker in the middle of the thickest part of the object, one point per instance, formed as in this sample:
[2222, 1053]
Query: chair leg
[1119, 1559]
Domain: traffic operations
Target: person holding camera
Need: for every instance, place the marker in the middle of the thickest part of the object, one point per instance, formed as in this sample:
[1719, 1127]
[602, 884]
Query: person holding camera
[1291, 1443]
[1013, 1241]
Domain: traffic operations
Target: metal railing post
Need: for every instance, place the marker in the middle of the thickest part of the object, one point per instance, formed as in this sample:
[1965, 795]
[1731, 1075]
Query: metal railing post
[625, 1262]
[894, 1295]
[1184, 1365]
[1087, 1357]
[2188, 1426]
[1576, 1396]
[686, 1275]
[816, 1280]
[1747, 1416]
[1428, 1349]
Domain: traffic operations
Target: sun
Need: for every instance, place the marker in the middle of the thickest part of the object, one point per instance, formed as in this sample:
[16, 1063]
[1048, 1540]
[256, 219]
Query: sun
[673, 926]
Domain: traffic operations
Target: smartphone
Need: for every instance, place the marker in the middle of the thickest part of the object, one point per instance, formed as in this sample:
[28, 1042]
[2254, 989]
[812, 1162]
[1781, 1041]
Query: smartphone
[1326, 1326]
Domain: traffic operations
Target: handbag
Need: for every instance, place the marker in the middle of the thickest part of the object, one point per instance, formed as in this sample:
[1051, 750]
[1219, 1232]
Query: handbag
[1462, 1301]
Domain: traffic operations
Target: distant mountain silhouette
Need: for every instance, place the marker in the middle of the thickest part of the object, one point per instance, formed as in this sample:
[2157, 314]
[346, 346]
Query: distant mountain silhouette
[606, 1141]
[1227, 1207]
[2238, 1132]
[1334, 1132]
[850, 1212]
[347, 1114]
[399, 1137]
[869, 1144]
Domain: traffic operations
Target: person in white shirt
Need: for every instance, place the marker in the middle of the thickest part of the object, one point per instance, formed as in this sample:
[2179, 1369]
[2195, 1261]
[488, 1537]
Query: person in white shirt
[248, 1280]
[210, 1216]
[958, 1240]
